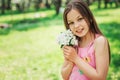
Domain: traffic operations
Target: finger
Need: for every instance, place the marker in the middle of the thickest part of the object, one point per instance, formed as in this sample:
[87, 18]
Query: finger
[66, 57]
[66, 47]
[66, 51]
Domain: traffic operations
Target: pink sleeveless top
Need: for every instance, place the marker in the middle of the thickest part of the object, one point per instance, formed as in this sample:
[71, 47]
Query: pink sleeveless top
[88, 55]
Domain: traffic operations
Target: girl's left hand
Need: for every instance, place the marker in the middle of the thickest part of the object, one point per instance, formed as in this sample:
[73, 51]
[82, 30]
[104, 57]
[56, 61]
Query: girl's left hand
[70, 53]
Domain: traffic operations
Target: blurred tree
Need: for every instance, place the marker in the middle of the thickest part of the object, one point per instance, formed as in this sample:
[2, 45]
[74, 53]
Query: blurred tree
[47, 4]
[114, 1]
[37, 4]
[8, 4]
[22, 5]
[89, 2]
[18, 4]
[57, 4]
[99, 3]
[106, 2]
[2, 6]
[67, 1]
[28, 4]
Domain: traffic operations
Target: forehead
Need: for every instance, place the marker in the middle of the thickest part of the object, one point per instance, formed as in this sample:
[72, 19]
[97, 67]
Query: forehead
[73, 14]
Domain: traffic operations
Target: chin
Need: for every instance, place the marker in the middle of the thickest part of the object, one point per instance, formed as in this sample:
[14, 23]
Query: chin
[81, 35]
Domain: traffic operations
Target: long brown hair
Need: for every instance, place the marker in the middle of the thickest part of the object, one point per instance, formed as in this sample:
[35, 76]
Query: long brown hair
[83, 8]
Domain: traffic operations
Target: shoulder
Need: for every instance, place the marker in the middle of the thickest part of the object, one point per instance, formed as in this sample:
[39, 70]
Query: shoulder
[100, 41]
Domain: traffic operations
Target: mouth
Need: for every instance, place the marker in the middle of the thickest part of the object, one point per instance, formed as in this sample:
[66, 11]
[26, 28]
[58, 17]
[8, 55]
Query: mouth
[80, 30]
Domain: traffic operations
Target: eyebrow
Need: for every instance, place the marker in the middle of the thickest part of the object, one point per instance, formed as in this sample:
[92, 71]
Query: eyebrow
[69, 21]
[76, 18]
[79, 16]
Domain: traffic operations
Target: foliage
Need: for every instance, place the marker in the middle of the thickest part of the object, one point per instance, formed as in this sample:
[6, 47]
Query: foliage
[29, 51]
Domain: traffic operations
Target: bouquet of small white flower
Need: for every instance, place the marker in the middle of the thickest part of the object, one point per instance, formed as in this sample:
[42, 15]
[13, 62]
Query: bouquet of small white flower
[67, 38]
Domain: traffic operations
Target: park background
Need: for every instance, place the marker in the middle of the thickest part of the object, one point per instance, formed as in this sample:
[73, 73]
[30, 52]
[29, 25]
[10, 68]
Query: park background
[28, 31]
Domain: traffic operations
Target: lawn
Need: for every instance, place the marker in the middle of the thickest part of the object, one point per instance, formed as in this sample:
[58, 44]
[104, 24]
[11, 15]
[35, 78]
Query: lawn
[29, 51]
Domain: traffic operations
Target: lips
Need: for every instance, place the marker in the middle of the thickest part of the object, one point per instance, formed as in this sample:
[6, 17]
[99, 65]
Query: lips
[79, 31]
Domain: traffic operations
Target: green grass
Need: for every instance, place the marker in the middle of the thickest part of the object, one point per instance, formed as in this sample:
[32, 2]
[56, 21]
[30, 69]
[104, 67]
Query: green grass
[28, 51]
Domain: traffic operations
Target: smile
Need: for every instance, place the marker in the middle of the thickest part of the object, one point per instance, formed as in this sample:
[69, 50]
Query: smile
[80, 31]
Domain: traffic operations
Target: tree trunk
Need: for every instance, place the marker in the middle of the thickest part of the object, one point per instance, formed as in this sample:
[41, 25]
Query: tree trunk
[105, 3]
[99, 4]
[116, 3]
[47, 4]
[57, 4]
[18, 7]
[8, 4]
[3, 7]
[37, 4]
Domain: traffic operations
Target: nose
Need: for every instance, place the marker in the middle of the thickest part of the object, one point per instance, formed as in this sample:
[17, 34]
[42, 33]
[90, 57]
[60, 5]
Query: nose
[76, 24]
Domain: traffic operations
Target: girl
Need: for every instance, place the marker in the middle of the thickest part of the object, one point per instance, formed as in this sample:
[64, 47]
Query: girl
[90, 59]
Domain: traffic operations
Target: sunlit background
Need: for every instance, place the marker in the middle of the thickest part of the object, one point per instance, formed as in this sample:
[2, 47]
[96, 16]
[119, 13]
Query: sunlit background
[28, 31]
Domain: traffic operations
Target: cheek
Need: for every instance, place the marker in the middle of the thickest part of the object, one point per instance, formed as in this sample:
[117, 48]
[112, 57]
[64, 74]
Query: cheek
[86, 25]
[73, 30]
[87, 28]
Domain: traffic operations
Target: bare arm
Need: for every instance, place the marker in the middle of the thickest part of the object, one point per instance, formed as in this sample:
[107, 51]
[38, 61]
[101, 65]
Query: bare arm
[67, 66]
[102, 60]
[66, 69]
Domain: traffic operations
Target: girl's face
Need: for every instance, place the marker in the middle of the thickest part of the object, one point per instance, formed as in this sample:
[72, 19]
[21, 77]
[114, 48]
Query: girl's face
[77, 23]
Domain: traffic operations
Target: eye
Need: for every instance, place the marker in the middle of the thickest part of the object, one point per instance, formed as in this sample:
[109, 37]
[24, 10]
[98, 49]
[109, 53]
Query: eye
[70, 23]
[80, 19]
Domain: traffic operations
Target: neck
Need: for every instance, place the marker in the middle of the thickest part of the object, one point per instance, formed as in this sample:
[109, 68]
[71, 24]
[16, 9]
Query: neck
[89, 37]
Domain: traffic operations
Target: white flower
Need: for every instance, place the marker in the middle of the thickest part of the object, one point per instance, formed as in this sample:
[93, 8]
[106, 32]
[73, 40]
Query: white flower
[67, 38]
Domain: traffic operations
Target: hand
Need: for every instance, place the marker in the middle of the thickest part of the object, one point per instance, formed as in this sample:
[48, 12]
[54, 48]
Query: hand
[68, 62]
[70, 53]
